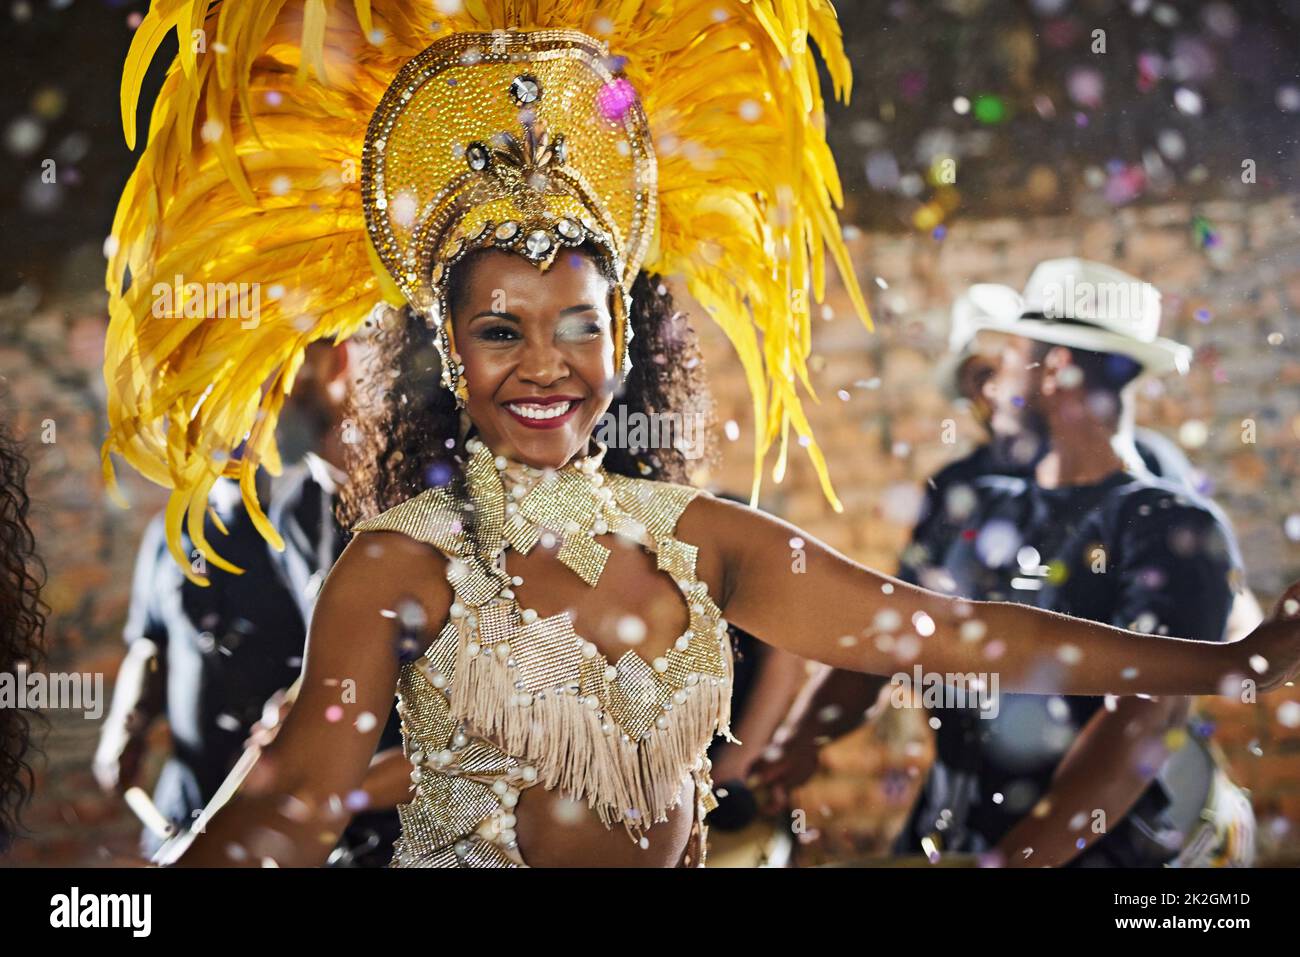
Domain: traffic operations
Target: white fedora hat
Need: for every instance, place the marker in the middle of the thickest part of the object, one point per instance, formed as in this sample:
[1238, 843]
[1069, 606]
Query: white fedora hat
[1080, 304]
[966, 320]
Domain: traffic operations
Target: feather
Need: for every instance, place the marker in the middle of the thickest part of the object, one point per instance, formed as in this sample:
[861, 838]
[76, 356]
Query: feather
[239, 182]
[161, 19]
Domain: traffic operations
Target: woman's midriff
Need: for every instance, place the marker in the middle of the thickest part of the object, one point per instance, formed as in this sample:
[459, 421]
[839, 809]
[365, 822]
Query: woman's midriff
[553, 831]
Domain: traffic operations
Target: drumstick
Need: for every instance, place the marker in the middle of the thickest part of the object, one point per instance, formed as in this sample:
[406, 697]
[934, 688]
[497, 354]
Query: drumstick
[138, 800]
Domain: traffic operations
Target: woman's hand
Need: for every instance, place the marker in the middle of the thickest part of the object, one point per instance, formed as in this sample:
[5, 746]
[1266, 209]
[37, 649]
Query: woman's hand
[1272, 650]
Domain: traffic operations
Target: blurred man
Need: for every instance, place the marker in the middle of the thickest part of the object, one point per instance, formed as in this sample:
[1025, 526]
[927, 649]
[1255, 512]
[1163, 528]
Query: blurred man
[213, 660]
[1056, 781]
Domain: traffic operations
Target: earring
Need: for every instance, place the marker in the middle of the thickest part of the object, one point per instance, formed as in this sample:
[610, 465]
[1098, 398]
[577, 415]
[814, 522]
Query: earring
[453, 371]
[625, 363]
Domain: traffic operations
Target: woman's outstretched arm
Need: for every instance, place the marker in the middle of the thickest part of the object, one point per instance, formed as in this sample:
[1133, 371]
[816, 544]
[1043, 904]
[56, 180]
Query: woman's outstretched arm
[792, 591]
[305, 786]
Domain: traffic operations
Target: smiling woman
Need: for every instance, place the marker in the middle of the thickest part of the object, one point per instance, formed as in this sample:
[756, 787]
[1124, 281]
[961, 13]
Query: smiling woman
[552, 613]
[410, 431]
[538, 351]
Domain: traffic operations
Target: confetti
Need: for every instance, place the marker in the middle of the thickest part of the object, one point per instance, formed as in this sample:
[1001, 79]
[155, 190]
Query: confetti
[1288, 714]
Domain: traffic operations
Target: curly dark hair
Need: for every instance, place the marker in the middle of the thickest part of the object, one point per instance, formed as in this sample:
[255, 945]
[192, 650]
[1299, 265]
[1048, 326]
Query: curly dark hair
[22, 627]
[407, 426]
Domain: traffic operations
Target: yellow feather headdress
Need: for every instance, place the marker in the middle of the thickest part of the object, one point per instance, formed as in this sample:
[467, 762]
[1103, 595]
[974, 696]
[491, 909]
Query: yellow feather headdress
[251, 224]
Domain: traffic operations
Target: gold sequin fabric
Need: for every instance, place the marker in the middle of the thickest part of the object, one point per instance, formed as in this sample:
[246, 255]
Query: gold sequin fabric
[504, 699]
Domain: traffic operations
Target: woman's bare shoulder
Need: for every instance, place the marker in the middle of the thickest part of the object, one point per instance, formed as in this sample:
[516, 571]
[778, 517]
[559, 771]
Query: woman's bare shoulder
[709, 517]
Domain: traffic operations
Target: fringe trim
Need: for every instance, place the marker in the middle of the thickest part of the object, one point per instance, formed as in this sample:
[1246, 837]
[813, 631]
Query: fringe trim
[628, 782]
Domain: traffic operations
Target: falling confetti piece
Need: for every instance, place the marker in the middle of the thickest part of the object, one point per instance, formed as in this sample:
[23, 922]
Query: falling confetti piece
[1188, 101]
[1193, 433]
[630, 629]
[1206, 238]
[888, 620]
[990, 109]
[1288, 714]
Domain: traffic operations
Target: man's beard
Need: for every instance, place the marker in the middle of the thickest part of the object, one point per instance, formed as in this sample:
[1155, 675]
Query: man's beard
[1022, 450]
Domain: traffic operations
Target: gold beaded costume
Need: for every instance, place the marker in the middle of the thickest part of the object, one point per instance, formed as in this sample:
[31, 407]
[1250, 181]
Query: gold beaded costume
[503, 699]
[310, 161]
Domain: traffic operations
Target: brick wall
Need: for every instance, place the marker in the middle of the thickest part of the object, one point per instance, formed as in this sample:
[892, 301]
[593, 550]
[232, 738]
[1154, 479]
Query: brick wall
[883, 440]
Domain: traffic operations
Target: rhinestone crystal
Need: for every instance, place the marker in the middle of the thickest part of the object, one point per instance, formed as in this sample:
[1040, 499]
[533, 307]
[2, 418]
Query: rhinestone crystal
[538, 242]
[525, 89]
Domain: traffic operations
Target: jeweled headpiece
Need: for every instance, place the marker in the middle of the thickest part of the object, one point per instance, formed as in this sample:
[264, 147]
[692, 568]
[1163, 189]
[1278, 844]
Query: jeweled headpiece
[308, 160]
[532, 142]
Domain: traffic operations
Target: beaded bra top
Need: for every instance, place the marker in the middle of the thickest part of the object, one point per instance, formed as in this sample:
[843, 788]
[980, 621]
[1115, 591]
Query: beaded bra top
[503, 699]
